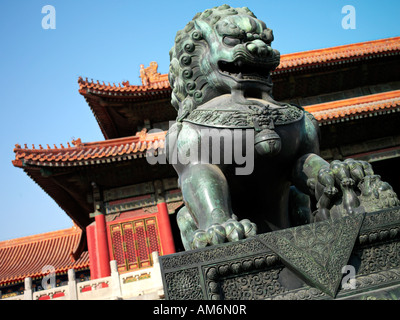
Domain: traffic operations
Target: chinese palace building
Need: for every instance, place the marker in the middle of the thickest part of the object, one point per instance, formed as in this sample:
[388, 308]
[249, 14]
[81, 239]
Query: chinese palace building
[123, 208]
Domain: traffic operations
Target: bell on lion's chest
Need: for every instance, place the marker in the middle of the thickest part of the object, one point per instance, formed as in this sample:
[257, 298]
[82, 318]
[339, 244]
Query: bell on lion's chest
[267, 143]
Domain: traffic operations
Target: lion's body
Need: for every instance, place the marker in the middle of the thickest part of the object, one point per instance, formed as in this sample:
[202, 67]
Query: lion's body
[220, 75]
[261, 196]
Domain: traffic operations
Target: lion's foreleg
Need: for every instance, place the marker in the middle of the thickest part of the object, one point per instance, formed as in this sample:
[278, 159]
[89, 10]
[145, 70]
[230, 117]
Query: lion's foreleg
[305, 175]
[206, 194]
[187, 227]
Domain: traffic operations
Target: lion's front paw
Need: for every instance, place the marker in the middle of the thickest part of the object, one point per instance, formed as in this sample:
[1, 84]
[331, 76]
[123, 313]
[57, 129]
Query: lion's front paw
[229, 231]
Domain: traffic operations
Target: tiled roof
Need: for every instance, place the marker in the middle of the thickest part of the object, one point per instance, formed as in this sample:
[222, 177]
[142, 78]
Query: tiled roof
[335, 55]
[289, 62]
[81, 154]
[26, 257]
[355, 108]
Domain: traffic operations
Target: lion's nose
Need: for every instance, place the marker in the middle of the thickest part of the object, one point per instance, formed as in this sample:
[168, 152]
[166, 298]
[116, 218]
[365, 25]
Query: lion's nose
[259, 48]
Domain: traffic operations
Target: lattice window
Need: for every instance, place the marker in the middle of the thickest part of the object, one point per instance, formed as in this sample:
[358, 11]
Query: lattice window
[129, 238]
[152, 234]
[142, 245]
[118, 246]
[133, 242]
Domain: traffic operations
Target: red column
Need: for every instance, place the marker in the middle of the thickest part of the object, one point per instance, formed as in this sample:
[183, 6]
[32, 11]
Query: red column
[92, 248]
[102, 246]
[164, 226]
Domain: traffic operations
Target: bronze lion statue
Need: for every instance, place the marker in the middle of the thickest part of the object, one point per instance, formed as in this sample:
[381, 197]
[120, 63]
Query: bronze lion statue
[219, 73]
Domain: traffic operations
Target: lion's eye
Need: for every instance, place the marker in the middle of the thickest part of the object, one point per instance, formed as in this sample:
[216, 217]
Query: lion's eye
[231, 41]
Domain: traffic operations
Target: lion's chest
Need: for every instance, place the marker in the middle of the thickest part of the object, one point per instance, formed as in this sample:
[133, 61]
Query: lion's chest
[245, 117]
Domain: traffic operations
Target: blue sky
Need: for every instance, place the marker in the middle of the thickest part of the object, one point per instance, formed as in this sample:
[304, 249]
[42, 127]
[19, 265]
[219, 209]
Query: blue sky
[108, 40]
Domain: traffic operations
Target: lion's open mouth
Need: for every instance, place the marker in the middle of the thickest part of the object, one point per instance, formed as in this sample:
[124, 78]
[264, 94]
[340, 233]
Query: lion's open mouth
[241, 70]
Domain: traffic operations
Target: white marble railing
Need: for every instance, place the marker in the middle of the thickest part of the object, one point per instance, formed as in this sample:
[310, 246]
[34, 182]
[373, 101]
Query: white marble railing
[141, 284]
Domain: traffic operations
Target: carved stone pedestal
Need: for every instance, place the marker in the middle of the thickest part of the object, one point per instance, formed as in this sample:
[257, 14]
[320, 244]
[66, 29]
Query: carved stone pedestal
[355, 257]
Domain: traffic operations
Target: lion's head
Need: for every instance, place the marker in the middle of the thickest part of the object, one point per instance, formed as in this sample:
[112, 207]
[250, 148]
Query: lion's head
[219, 50]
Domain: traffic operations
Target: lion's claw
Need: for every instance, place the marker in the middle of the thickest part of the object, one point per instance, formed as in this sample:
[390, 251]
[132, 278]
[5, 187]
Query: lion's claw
[216, 234]
[330, 191]
[234, 230]
[200, 239]
[229, 231]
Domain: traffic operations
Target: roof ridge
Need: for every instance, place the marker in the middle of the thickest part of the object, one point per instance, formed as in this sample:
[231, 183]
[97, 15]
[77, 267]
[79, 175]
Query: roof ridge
[75, 143]
[125, 84]
[375, 97]
[350, 46]
[78, 144]
[119, 149]
[355, 108]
